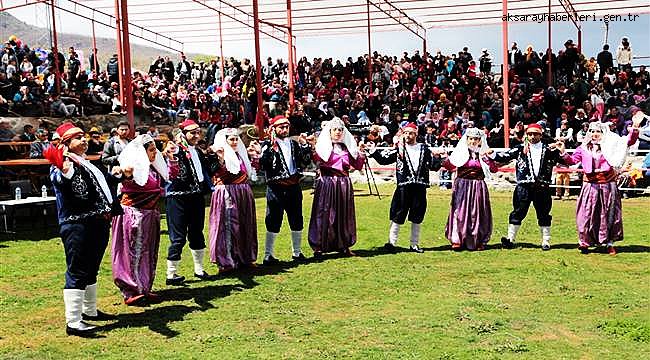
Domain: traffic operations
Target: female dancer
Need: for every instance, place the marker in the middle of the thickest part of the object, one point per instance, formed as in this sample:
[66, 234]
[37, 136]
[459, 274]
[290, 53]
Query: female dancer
[469, 224]
[233, 225]
[332, 226]
[136, 233]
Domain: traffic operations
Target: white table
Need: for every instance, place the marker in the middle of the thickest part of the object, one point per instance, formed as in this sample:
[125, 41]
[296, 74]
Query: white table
[8, 210]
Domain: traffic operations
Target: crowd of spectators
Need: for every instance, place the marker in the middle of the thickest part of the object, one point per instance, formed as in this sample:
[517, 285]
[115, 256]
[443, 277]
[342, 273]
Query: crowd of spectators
[443, 93]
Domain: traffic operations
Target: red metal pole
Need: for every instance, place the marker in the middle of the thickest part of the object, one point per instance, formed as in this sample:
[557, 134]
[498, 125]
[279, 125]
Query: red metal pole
[505, 72]
[291, 63]
[369, 49]
[549, 51]
[126, 54]
[260, 117]
[57, 75]
[120, 60]
[579, 40]
[424, 48]
[95, 61]
[223, 62]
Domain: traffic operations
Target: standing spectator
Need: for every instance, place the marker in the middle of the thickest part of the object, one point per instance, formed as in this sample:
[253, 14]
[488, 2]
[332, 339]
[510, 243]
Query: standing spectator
[93, 62]
[37, 147]
[605, 62]
[624, 54]
[114, 146]
[113, 69]
[485, 62]
[183, 69]
[95, 143]
[74, 67]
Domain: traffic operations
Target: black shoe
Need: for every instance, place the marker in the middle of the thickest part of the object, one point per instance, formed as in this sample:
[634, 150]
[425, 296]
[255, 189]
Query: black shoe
[203, 276]
[507, 243]
[390, 247]
[584, 250]
[300, 258]
[271, 261]
[86, 330]
[101, 316]
[176, 280]
[318, 255]
[416, 249]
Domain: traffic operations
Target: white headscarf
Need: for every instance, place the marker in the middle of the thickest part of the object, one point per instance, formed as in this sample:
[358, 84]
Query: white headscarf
[460, 155]
[135, 155]
[229, 155]
[612, 146]
[324, 143]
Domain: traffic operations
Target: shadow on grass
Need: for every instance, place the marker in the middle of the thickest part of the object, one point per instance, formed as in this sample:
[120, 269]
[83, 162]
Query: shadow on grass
[157, 319]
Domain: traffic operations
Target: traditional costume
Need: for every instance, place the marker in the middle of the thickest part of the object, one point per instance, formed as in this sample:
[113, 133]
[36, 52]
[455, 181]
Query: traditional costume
[136, 233]
[85, 205]
[413, 163]
[599, 212]
[534, 169]
[233, 225]
[186, 207]
[469, 224]
[282, 161]
[332, 226]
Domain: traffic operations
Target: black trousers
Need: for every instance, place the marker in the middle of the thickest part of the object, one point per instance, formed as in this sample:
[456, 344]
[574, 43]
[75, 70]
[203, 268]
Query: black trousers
[539, 195]
[84, 243]
[185, 220]
[281, 199]
[409, 200]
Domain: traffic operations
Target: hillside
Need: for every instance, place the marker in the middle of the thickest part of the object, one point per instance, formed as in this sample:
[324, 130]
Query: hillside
[141, 56]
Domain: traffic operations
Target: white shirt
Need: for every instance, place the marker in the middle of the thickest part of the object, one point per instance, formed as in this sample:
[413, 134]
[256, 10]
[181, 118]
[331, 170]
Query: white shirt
[285, 146]
[536, 157]
[413, 152]
[196, 162]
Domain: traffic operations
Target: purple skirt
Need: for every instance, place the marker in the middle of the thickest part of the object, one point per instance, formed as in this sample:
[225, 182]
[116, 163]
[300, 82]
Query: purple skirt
[470, 218]
[233, 226]
[332, 226]
[599, 215]
[136, 236]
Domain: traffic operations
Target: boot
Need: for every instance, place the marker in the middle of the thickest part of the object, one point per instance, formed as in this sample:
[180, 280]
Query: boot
[546, 237]
[415, 238]
[296, 239]
[509, 242]
[197, 255]
[393, 234]
[172, 277]
[269, 245]
[90, 311]
[73, 300]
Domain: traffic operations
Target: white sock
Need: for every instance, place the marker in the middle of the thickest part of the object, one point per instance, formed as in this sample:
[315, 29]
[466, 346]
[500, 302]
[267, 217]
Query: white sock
[393, 233]
[546, 234]
[415, 234]
[197, 255]
[73, 300]
[512, 231]
[90, 300]
[296, 239]
[269, 244]
[172, 267]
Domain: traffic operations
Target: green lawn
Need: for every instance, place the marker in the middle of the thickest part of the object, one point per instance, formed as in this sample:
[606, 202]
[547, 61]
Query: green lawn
[495, 304]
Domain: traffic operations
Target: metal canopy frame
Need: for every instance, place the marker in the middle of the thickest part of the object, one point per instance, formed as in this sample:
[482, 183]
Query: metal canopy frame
[216, 21]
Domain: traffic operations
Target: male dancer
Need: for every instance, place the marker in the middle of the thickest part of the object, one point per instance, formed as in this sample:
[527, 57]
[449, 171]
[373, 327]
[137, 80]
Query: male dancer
[85, 205]
[534, 168]
[414, 161]
[282, 160]
[186, 205]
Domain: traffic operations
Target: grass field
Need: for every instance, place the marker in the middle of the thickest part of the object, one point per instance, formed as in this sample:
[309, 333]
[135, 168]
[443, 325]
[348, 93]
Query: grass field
[496, 304]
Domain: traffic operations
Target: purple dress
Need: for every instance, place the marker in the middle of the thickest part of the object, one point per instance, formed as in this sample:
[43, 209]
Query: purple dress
[599, 213]
[233, 223]
[332, 226]
[136, 236]
[469, 223]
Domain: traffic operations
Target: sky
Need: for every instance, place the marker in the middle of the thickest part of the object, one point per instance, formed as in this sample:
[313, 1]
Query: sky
[448, 39]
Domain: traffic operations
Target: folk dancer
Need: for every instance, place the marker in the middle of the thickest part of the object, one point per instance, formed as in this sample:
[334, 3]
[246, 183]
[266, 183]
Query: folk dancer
[186, 205]
[85, 205]
[534, 169]
[282, 160]
[413, 162]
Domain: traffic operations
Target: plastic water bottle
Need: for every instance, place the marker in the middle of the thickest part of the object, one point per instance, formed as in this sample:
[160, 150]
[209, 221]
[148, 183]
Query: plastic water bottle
[18, 195]
[44, 191]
